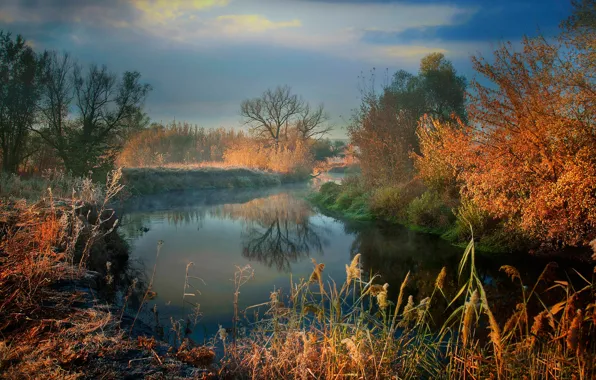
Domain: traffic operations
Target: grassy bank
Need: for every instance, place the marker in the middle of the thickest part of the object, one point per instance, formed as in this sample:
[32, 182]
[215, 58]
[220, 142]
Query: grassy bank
[419, 209]
[156, 180]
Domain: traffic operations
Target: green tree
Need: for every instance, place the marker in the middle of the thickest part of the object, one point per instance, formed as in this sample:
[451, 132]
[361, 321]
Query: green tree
[385, 127]
[104, 110]
[19, 94]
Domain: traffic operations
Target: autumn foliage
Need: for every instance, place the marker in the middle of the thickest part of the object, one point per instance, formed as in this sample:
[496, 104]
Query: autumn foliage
[385, 126]
[529, 152]
[522, 155]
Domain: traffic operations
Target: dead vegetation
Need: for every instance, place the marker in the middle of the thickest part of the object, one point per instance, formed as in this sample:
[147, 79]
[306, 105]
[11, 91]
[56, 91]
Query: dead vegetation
[67, 332]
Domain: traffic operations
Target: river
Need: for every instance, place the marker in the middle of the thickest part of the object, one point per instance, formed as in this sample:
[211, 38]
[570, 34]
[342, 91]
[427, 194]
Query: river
[277, 232]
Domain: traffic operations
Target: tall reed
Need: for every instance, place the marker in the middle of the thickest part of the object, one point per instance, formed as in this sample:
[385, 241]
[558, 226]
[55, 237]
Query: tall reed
[318, 329]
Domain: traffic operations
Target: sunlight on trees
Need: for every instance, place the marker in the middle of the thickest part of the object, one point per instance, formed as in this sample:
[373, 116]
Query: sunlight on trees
[529, 153]
[385, 125]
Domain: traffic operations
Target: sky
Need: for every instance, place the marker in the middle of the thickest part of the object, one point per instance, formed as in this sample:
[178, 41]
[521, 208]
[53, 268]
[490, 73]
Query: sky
[203, 57]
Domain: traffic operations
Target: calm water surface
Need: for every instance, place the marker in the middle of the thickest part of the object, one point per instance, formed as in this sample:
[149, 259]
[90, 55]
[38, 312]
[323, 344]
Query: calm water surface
[277, 232]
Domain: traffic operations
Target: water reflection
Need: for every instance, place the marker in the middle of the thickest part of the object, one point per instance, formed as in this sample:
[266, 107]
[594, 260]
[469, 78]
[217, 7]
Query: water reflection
[277, 230]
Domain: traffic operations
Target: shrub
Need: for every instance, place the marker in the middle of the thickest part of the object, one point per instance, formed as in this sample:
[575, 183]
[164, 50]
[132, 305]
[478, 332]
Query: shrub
[491, 233]
[328, 193]
[428, 210]
[391, 202]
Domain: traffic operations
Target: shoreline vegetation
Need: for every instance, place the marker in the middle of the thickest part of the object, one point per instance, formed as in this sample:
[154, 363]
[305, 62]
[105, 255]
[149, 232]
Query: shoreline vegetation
[427, 214]
[141, 181]
[512, 154]
[56, 324]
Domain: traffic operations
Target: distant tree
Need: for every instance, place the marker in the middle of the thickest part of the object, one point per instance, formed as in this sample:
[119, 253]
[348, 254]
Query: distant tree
[104, 109]
[384, 128]
[337, 146]
[312, 123]
[273, 114]
[56, 97]
[19, 94]
[322, 149]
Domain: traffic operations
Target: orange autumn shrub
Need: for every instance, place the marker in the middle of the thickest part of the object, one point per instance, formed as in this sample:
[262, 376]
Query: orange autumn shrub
[442, 145]
[529, 153]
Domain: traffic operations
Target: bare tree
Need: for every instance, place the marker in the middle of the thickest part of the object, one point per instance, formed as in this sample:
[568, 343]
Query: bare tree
[312, 123]
[271, 114]
[57, 95]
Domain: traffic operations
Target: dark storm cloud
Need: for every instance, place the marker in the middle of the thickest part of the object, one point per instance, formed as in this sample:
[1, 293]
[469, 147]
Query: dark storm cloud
[491, 21]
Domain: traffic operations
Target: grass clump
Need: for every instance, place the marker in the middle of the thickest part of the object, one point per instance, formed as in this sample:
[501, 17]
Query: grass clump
[349, 199]
[320, 329]
[391, 202]
[63, 185]
[491, 234]
[430, 212]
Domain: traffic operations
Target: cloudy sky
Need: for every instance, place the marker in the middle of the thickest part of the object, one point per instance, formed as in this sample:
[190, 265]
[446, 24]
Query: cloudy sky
[203, 57]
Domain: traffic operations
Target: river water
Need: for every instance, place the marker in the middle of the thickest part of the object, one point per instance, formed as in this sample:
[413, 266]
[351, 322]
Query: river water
[277, 232]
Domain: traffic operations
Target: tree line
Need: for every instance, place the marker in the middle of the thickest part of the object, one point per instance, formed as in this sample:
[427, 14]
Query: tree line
[58, 113]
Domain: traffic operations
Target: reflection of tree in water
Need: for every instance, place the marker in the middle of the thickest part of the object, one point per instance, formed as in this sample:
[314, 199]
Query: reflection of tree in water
[278, 230]
[277, 227]
[136, 224]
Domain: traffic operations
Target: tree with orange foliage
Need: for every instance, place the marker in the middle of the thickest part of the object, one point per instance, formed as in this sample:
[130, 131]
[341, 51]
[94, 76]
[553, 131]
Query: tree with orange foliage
[529, 154]
[441, 160]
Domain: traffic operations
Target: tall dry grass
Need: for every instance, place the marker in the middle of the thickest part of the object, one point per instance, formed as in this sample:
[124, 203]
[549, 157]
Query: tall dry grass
[176, 143]
[52, 323]
[292, 157]
[321, 329]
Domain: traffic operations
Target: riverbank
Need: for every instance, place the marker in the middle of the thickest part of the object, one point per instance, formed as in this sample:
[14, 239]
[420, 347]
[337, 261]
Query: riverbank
[62, 268]
[59, 319]
[411, 206]
[141, 181]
